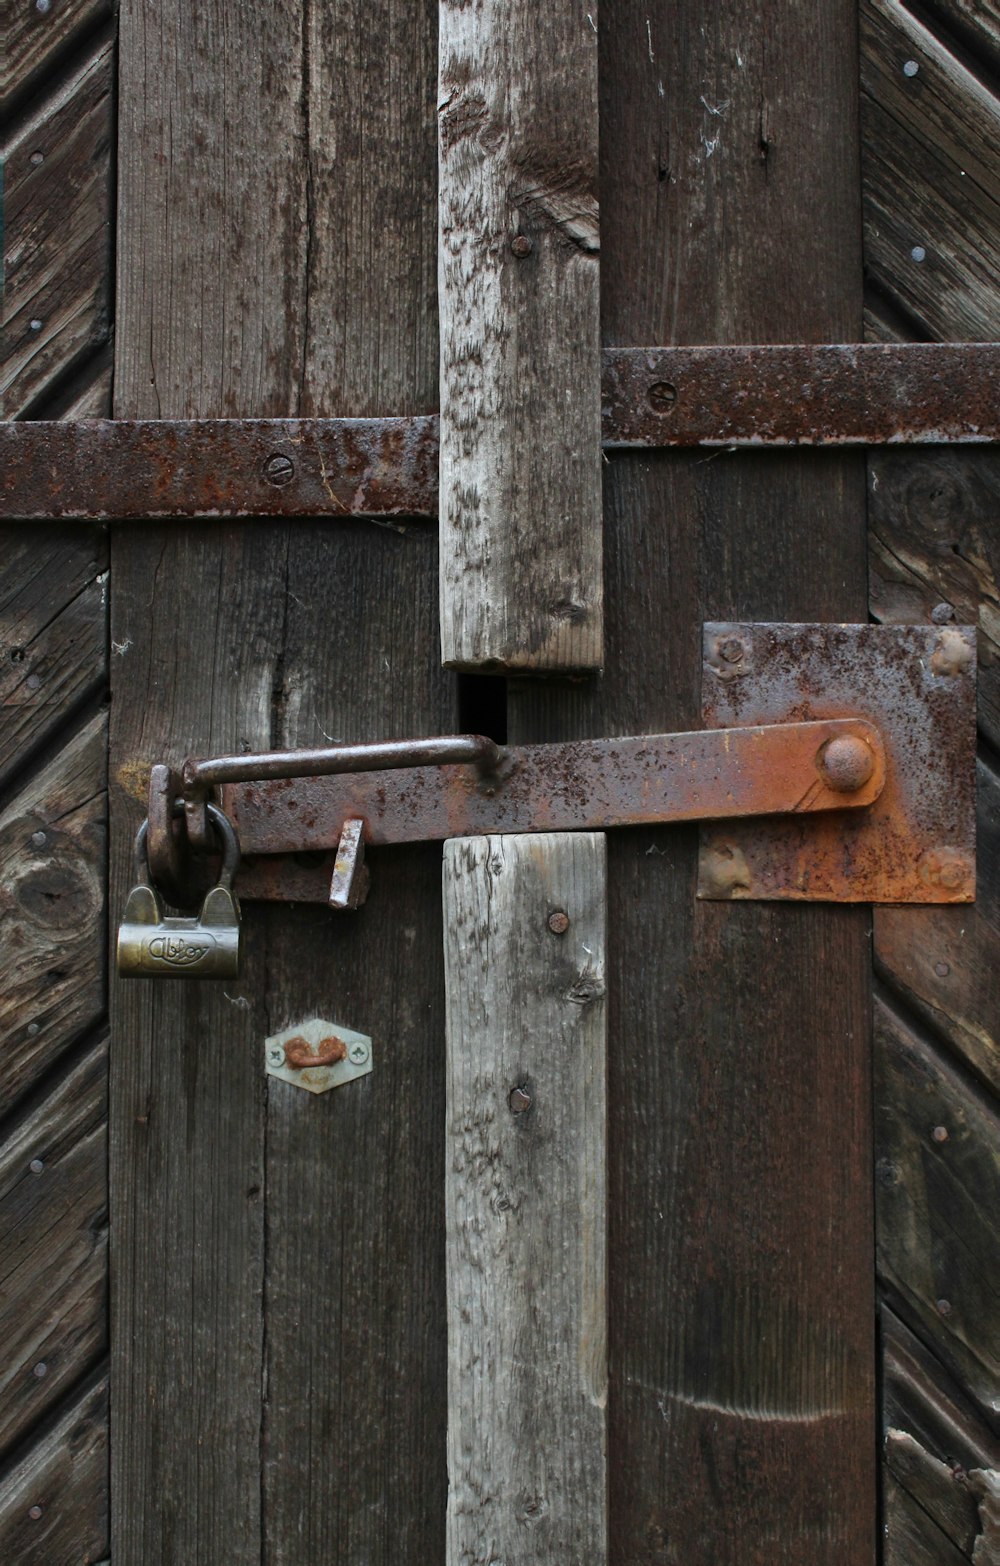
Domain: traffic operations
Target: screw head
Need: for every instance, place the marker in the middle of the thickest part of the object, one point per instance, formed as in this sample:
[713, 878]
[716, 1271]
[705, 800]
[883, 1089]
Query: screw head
[38, 839]
[36, 1166]
[358, 1053]
[279, 469]
[731, 649]
[521, 246]
[942, 969]
[558, 921]
[275, 1056]
[34, 1512]
[942, 614]
[944, 1307]
[846, 763]
[662, 396]
[519, 1100]
[939, 1134]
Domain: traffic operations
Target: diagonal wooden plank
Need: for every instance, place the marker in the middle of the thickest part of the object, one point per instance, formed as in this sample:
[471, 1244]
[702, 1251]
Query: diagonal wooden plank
[938, 1151]
[525, 938]
[52, 859]
[57, 235]
[37, 36]
[54, 1499]
[53, 1245]
[520, 337]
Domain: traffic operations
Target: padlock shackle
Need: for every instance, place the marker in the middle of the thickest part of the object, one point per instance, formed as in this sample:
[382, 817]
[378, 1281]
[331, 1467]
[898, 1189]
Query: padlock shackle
[223, 826]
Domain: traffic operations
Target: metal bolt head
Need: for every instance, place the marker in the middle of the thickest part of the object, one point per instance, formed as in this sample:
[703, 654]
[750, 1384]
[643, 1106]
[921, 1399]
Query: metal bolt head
[279, 469]
[38, 839]
[558, 921]
[36, 1166]
[942, 614]
[34, 1512]
[662, 396]
[944, 1307]
[519, 1100]
[358, 1053]
[731, 649]
[521, 246]
[942, 969]
[845, 763]
[939, 1134]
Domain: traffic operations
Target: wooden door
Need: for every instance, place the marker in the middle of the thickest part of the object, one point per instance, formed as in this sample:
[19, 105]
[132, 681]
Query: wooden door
[280, 1281]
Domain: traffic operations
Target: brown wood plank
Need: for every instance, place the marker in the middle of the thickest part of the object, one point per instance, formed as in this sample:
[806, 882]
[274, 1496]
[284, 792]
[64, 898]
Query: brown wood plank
[976, 23]
[54, 1500]
[741, 1355]
[52, 858]
[948, 970]
[938, 1150]
[310, 252]
[520, 337]
[935, 546]
[912, 1537]
[57, 239]
[920, 1397]
[525, 1195]
[931, 176]
[53, 1245]
[36, 36]
[936, 1489]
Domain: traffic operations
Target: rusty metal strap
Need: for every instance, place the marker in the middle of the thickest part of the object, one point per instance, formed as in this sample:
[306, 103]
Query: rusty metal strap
[839, 395]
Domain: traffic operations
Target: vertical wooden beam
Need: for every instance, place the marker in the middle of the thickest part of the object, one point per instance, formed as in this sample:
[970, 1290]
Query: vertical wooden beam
[524, 939]
[520, 336]
[741, 1409]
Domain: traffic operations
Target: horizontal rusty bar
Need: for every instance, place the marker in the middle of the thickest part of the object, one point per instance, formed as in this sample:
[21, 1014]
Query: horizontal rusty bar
[586, 785]
[483, 753]
[837, 395]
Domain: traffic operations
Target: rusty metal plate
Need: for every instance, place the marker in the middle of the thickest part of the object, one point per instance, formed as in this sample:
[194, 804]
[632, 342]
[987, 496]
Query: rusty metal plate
[917, 685]
[840, 394]
[582, 786]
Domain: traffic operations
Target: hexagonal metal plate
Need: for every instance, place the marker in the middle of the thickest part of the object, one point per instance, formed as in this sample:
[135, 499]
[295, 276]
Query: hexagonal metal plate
[313, 1037]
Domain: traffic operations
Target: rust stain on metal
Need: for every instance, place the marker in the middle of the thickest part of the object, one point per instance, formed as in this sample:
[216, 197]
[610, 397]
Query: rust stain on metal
[299, 1053]
[771, 395]
[916, 843]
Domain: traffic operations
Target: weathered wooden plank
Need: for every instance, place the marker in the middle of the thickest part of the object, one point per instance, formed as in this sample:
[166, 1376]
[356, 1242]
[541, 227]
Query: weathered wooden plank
[948, 970]
[931, 176]
[53, 1245]
[976, 23]
[911, 1537]
[52, 858]
[57, 242]
[741, 1401]
[520, 337]
[53, 634]
[919, 1396]
[311, 254]
[36, 35]
[54, 1500]
[935, 546]
[525, 943]
[935, 1488]
[938, 1153]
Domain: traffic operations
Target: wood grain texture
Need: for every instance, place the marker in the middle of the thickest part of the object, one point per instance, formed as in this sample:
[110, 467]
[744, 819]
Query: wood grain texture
[931, 177]
[947, 970]
[919, 1396]
[525, 1195]
[57, 235]
[935, 1488]
[934, 544]
[976, 23]
[279, 261]
[913, 1538]
[54, 1499]
[52, 868]
[53, 1245]
[35, 37]
[53, 634]
[520, 487]
[938, 1152]
[741, 1397]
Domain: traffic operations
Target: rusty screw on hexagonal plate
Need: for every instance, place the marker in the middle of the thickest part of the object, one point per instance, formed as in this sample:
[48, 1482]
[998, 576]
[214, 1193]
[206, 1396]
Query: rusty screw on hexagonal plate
[279, 469]
[846, 763]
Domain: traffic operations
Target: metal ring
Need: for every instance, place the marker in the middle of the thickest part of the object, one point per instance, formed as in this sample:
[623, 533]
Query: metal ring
[223, 826]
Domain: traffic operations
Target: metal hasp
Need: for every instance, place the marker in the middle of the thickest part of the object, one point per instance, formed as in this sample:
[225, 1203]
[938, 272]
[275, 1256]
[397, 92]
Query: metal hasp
[317, 1055]
[917, 684]
[839, 394]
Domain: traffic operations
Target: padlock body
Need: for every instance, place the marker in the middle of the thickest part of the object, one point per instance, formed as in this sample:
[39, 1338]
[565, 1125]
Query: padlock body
[154, 945]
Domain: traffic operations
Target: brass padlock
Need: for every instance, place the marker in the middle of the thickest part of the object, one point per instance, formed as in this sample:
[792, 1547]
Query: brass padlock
[154, 945]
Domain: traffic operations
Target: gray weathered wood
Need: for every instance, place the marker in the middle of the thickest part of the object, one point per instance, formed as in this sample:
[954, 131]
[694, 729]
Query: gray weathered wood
[52, 865]
[912, 1538]
[34, 38]
[525, 1194]
[53, 1245]
[520, 337]
[931, 177]
[57, 240]
[54, 1500]
[938, 1155]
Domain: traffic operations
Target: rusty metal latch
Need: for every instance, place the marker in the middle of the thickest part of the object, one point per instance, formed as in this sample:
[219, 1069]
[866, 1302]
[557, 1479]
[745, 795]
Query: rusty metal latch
[837, 762]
